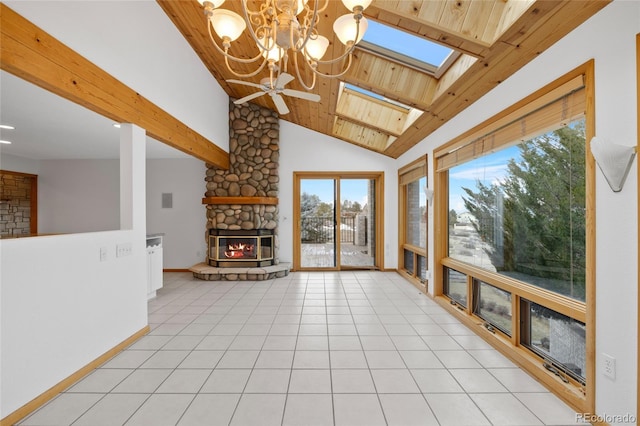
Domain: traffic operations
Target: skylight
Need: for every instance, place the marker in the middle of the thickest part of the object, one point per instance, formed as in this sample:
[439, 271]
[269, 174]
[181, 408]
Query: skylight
[404, 47]
[375, 95]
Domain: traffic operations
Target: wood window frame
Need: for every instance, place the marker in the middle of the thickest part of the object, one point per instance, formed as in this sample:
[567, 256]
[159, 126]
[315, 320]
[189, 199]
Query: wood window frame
[638, 209]
[378, 177]
[411, 172]
[581, 398]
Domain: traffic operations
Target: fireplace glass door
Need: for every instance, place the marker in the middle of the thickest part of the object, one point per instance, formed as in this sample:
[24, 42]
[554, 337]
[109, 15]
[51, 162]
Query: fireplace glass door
[230, 249]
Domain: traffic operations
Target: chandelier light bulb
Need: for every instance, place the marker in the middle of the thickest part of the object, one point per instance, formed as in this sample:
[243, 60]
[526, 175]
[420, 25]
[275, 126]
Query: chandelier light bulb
[352, 5]
[316, 48]
[283, 30]
[274, 52]
[227, 24]
[301, 5]
[346, 28]
[215, 3]
[288, 5]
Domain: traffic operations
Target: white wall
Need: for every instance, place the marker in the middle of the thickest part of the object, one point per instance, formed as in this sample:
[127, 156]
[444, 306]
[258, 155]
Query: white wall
[15, 163]
[303, 150]
[184, 225]
[60, 306]
[155, 60]
[609, 38]
[78, 196]
[121, 44]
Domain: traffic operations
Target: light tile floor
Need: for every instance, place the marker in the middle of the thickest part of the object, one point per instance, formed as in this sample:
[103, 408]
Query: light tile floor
[339, 348]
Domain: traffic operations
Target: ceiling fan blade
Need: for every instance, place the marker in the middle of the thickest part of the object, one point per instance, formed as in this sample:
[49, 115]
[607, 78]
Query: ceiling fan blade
[248, 98]
[280, 104]
[245, 83]
[283, 79]
[302, 95]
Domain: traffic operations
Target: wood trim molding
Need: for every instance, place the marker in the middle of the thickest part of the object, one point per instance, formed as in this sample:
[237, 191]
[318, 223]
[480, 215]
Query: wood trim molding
[530, 363]
[35, 56]
[587, 313]
[378, 177]
[267, 201]
[51, 393]
[638, 209]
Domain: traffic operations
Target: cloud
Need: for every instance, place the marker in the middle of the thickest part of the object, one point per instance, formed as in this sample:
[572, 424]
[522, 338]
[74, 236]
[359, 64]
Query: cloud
[494, 173]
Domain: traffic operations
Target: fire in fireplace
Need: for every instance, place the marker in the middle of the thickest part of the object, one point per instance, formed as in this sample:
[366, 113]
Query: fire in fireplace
[239, 248]
[240, 251]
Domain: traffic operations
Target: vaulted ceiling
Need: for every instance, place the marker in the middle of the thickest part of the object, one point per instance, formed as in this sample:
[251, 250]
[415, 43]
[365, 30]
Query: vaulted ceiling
[494, 39]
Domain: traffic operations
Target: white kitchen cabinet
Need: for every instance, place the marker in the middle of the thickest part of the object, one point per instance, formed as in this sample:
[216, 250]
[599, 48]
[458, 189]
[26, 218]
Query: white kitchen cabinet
[154, 265]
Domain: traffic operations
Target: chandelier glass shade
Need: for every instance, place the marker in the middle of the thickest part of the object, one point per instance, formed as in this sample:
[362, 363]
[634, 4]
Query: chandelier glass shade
[284, 30]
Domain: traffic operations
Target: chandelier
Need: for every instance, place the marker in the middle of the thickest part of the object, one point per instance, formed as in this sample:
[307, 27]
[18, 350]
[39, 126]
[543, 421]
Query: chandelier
[286, 34]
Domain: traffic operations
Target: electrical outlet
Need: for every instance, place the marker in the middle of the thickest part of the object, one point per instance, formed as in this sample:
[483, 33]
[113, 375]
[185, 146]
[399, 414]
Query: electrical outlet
[609, 366]
[103, 254]
[123, 250]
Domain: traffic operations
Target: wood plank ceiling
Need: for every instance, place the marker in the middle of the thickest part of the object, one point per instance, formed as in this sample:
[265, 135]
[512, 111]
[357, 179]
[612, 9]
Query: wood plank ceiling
[495, 38]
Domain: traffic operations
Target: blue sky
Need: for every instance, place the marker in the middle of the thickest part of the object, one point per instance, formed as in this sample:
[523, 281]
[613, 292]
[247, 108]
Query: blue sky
[489, 169]
[350, 189]
[405, 43]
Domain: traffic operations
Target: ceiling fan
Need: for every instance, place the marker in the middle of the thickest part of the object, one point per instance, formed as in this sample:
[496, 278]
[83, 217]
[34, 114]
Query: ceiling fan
[275, 92]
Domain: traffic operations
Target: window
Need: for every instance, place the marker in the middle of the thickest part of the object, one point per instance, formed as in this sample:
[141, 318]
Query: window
[413, 224]
[520, 211]
[513, 244]
[558, 339]
[407, 49]
[455, 286]
[376, 96]
[493, 305]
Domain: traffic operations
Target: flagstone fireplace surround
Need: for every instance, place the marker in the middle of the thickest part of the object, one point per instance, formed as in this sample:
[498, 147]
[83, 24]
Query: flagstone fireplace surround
[244, 199]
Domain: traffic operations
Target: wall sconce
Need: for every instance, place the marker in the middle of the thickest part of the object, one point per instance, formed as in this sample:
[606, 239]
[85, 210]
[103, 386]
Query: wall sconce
[614, 160]
[429, 194]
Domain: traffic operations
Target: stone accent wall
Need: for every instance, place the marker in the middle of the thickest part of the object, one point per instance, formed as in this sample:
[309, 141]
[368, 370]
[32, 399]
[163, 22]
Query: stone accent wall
[254, 156]
[15, 205]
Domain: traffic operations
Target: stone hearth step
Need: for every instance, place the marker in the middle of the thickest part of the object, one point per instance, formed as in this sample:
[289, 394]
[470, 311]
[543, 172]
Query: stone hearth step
[203, 271]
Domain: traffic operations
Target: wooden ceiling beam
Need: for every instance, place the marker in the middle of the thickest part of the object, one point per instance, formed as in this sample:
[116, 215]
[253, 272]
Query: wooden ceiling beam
[392, 80]
[543, 24]
[35, 56]
[496, 37]
[357, 134]
[424, 18]
[372, 126]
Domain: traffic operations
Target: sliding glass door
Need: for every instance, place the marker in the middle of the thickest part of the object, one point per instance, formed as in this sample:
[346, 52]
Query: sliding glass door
[317, 236]
[337, 222]
[357, 220]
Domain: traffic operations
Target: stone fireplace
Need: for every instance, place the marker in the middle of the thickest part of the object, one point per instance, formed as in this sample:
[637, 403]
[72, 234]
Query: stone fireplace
[244, 199]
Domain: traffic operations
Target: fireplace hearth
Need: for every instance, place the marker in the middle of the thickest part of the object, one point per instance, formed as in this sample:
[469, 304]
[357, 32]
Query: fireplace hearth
[240, 248]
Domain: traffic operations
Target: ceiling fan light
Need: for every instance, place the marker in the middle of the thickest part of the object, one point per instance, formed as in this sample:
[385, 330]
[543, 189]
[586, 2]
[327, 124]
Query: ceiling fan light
[353, 4]
[227, 24]
[316, 48]
[215, 3]
[346, 28]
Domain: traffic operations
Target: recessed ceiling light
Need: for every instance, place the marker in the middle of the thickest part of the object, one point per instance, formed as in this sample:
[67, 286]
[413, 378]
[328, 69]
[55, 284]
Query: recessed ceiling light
[116, 125]
[6, 126]
[5, 142]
